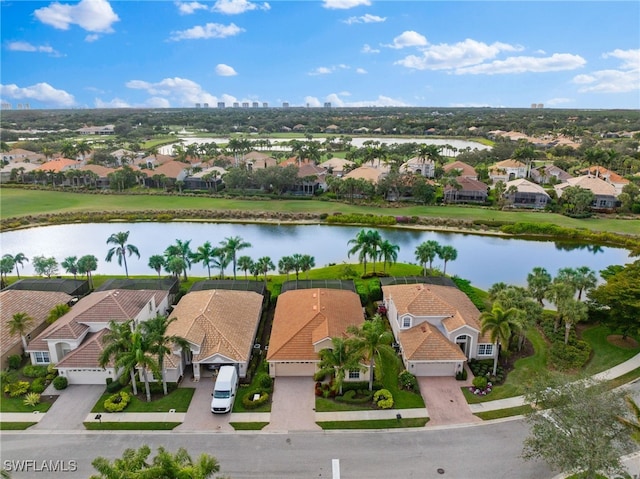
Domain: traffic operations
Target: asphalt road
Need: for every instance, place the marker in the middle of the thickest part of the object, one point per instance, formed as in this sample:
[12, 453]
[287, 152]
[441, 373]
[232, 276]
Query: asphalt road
[488, 451]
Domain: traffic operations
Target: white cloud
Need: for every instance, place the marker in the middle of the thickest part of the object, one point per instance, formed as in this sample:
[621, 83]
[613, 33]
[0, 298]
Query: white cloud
[187, 8]
[474, 105]
[328, 70]
[630, 58]
[625, 79]
[225, 70]
[179, 92]
[157, 102]
[92, 37]
[42, 92]
[235, 7]
[557, 101]
[312, 101]
[554, 63]
[115, 103]
[361, 71]
[344, 4]
[367, 49]
[462, 54]
[367, 18]
[337, 101]
[28, 47]
[90, 15]
[210, 30]
[408, 39]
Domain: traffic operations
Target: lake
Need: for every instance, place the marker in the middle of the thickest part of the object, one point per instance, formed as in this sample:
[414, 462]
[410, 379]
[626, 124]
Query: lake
[484, 260]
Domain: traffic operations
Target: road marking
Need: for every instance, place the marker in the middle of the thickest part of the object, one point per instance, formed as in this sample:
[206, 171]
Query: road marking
[335, 467]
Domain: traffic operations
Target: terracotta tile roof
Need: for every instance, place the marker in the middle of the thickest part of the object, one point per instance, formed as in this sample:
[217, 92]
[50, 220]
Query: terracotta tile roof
[595, 185]
[309, 169]
[87, 355]
[366, 173]
[306, 316]
[58, 165]
[606, 174]
[468, 184]
[256, 155]
[463, 168]
[171, 169]
[425, 343]
[218, 321]
[508, 164]
[101, 171]
[37, 304]
[338, 164]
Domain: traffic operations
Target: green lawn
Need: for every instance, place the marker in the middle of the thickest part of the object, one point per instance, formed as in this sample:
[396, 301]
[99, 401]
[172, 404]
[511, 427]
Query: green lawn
[8, 404]
[375, 423]
[18, 202]
[178, 399]
[500, 413]
[329, 405]
[15, 426]
[243, 390]
[248, 426]
[130, 426]
[624, 379]
[605, 355]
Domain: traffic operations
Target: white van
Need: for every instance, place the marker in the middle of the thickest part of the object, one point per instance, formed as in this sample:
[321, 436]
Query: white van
[224, 391]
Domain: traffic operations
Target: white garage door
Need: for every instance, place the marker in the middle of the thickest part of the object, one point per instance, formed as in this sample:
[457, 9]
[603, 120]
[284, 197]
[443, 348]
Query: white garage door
[295, 369]
[433, 369]
[79, 376]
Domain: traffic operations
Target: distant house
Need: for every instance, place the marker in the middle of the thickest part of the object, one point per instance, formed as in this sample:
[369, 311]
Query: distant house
[605, 195]
[373, 175]
[437, 328]
[420, 166]
[522, 193]
[97, 130]
[332, 129]
[311, 178]
[337, 166]
[466, 190]
[614, 179]
[75, 341]
[549, 174]
[59, 165]
[257, 161]
[220, 327]
[22, 155]
[16, 170]
[207, 179]
[174, 170]
[466, 171]
[507, 170]
[152, 161]
[102, 173]
[304, 323]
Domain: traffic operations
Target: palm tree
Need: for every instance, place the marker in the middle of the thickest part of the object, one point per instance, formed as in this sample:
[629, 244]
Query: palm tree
[388, 254]
[83, 148]
[58, 311]
[205, 255]
[174, 265]
[221, 259]
[70, 265]
[584, 279]
[362, 246]
[372, 342]
[233, 245]
[140, 357]
[121, 249]
[296, 263]
[500, 325]
[571, 311]
[307, 262]
[117, 343]
[374, 239]
[447, 253]
[560, 291]
[19, 324]
[538, 282]
[19, 259]
[245, 263]
[162, 344]
[6, 266]
[156, 262]
[425, 253]
[181, 249]
[285, 265]
[86, 265]
[338, 360]
[263, 266]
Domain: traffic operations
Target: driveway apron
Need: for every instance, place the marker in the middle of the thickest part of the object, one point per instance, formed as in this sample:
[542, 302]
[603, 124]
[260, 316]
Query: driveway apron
[199, 416]
[293, 406]
[69, 411]
[445, 402]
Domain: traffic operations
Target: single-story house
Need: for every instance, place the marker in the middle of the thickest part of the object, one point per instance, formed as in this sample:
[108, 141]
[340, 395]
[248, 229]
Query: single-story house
[74, 342]
[36, 304]
[259, 161]
[466, 171]
[522, 193]
[16, 171]
[507, 170]
[437, 328]
[337, 166]
[604, 193]
[421, 166]
[371, 174]
[310, 178]
[304, 323]
[220, 327]
[467, 190]
[544, 174]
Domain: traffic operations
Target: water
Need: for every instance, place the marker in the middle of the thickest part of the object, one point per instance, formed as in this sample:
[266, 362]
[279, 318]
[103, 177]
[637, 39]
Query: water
[484, 260]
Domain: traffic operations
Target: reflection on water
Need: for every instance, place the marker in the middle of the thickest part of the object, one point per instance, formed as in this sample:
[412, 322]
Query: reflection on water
[484, 260]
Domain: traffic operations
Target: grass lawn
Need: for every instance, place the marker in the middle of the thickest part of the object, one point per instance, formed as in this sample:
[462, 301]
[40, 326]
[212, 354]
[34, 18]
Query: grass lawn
[178, 399]
[624, 379]
[17, 202]
[500, 413]
[375, 423]
[8, 404]
[605, 355]
[329, 405]
[248, 426]
[130, 426]
[15, 426]
[244, 390]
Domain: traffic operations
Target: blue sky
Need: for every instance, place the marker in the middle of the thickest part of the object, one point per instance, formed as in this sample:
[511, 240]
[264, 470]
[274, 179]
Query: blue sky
[107, 54]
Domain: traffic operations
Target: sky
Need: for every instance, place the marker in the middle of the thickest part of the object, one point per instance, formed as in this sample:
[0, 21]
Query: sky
[350, 53]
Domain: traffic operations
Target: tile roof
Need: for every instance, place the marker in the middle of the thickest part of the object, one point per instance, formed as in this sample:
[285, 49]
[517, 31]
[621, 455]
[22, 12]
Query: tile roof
[101, 171]
[525, 186]
[596, 185]
[468, 184]
[304, 317]
[37, 304]
[463, 168]
[171, 169]
[309, 169]
[366, 173]
[425, 343]
[338, 164]
[58, 165]
[87, 355]
[606, 174]
[508, 164]
[218, 321]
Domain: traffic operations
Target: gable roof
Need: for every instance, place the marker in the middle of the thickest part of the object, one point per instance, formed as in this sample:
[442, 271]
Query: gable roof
[525, 186]
[508, 164]
[218, 321]
[58, 165]
[463, 168]
[87, 355]
[171, 169]
[596, 185]
[365, 173]
[425, 343]
[468, 184]
[304, 317]
[606, 174]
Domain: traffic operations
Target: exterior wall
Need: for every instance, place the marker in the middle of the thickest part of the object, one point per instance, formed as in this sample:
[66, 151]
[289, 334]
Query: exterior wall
[292, 368]
[56, 346]
[326, 343]
[434, 368]
[363, 376]
[472, 346]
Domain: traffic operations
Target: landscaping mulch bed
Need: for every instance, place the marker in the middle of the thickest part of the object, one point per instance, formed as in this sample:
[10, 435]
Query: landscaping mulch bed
[626, 343]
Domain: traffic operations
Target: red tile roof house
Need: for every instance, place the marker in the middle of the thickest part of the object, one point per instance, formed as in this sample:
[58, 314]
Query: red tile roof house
[467, 191]
[304, 323]
[466, 171]
[611, 177]
[437, 328]
[37, 305]
[507, 170]
[75, 341]
[220, 327]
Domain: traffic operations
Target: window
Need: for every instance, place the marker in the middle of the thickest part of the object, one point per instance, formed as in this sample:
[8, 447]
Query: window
[485, 349]
[41, 357]
[354, 374]
[406, 322]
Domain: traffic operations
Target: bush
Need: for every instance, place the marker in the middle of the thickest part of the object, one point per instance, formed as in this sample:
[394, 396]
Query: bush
[117, 402]
[32, 399]
[408, 381]
[249, 403]
[34, 371]
[564, 357]
[480, 382]
[462, 375]
[60, 383]
[265, 381]
[38, 385]
[352, 396]
[17, 388]
[383, 399]
[15, 360]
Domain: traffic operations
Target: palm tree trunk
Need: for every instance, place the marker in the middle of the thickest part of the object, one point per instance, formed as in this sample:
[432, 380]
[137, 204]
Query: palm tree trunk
[567, 330]
[495, 359]
[126, 269]
[371, 365]
[24, 343]
[146, 384]
[134, 386]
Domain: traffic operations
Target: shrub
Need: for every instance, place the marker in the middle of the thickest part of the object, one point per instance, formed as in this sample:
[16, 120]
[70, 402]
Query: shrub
[7, 377]
[38, 385]
[352, 396]
[383, 399]
[319, 376]
[60, 383]
[265, 381]
[14, 361]
[408, 381]
[569, 356]
[480, 382]
[117, 402]
[32, 399]
[17, 388]
[34, 371]
[113, 386]
[461, 375]
[249, 403]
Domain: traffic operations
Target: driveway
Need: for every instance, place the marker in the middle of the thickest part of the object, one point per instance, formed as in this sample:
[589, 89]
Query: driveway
[445, 402]
[293, 405]
[71, 408]
[199, 416]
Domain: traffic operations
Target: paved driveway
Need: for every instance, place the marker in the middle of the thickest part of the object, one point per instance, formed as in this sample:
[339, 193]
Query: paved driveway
[71, 408]
[199, 416]
[293, 406]
[445, 402]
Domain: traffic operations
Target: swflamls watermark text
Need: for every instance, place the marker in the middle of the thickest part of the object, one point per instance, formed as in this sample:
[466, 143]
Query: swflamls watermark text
[35, 465]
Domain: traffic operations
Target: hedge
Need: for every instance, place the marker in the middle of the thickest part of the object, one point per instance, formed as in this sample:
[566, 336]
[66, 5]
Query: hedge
[117, 402]
[249, 403]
